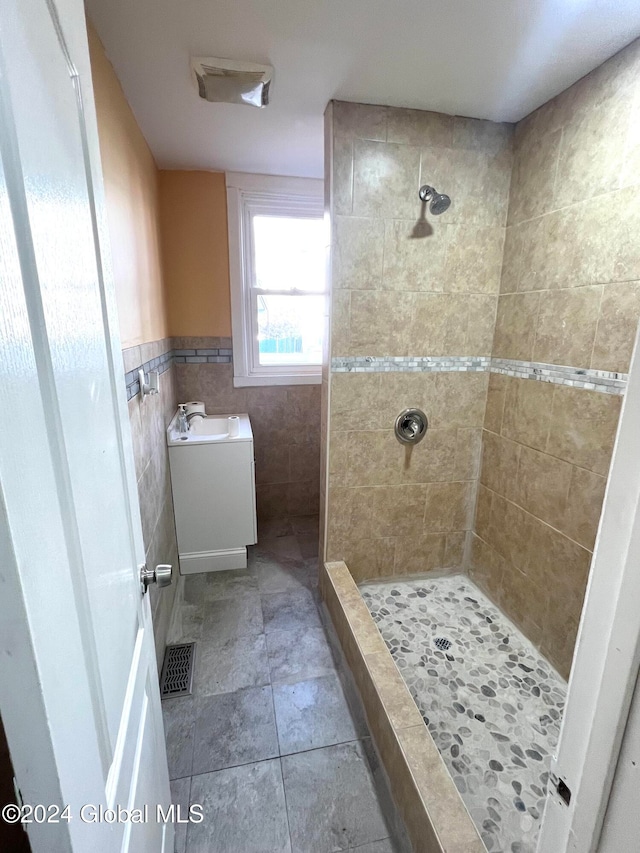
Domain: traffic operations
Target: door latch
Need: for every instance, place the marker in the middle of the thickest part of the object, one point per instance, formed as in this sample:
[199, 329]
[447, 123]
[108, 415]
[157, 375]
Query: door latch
[161, 575]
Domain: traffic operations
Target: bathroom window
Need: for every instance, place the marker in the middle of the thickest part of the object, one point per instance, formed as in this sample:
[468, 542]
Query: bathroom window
[277, 250]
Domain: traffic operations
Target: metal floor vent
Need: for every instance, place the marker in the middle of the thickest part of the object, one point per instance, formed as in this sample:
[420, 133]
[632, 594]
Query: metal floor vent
[177, 670]
[443, 644]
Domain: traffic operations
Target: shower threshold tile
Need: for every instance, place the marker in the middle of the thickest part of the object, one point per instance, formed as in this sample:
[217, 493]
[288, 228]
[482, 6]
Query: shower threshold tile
[492, 703]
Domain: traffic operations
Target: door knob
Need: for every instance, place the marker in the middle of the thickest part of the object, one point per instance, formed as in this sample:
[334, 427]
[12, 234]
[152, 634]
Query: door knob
[161, 576]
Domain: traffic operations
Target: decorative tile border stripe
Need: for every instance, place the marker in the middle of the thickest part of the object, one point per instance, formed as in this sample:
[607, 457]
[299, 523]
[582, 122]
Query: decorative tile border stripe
[215, 355]
[410, 364]
[604, 381]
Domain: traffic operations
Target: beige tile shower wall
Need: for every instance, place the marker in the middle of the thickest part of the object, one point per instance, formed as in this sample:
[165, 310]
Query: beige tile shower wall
[569, 294]
[286, 426]
[149, 420]
[407, 283]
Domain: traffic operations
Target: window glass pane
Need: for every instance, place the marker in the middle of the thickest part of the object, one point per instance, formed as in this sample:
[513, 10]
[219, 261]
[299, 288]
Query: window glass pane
[290, 329]
[289, 253]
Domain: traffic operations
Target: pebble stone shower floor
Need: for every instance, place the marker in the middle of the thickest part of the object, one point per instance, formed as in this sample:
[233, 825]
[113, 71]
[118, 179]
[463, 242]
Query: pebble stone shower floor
[491, 702]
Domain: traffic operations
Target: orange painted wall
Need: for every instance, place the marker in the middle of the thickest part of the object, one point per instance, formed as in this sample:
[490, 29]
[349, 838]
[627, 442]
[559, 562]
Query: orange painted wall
[131, 189]
[193, 228]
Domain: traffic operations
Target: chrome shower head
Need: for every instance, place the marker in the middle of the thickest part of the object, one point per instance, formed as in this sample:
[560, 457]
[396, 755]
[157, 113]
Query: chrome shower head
[439, 202]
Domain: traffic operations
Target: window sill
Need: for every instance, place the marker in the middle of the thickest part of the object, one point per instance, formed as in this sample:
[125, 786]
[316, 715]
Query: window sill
[283, 379]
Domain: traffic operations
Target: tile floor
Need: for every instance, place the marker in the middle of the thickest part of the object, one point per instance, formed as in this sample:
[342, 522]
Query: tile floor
[492, 703]
[273, 742]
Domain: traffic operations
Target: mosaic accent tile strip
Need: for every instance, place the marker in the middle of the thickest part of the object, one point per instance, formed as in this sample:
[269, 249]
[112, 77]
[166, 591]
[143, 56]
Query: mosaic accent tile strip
[576, 377]
[176, 356]
[410, 364]
[603, 381]
[492, 703]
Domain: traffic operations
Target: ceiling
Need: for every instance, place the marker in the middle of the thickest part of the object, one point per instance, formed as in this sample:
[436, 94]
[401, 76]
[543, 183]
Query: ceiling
[494, 59]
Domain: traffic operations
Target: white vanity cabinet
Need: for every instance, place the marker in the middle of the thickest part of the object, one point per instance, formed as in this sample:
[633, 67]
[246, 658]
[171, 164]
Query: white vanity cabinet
[214, 495]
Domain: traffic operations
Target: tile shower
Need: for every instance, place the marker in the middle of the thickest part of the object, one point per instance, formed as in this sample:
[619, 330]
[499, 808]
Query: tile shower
[510, 320]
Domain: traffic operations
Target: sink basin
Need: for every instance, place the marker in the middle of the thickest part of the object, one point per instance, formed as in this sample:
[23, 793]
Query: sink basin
[215, 427]
[212, 428]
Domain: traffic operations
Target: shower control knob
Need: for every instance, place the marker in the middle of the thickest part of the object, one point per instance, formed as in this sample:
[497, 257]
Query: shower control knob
[161, 575]
[411, 426]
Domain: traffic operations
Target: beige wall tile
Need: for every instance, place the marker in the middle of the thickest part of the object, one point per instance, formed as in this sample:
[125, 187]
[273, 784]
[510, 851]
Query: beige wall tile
[543, 485]
[272, 463]
[359, 121]
[461, 399]
[496, 395]
[482, 524]
[338, 459]
[379, 322]
[419, 127]
[626, 207]
[584, 506]
[516, 326]
[400, 391]
[385, 180]
[488, 136]
[411, 262]
[450, 819]
[592, 150]
[533, 176]
[473, 259]
[342, 175]
[468, 453]
[617, 327]
[356, 393]
[455, 549]
[340, 322]
[583, 427]
[481, 321]
[556, 563]
[366, 558]
[358, 246]
[369, 512]
[525, 602]
[566, 327]
[510, 530]
[448, 506]
[511, 268]
[377, 458]
[500, 458]
[416, 554]
[476, 181]
[527, 412]
[559, 636]
[486, 568]
[436, 327]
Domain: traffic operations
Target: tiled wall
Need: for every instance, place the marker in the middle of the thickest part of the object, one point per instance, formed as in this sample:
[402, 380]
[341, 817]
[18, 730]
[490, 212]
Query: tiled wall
[285, 421]
[553, 297]
[570, 295]
[406, 284]
[149, 419]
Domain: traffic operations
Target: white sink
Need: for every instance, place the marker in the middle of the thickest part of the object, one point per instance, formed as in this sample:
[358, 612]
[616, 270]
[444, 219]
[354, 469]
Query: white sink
[212, 428]
[215, 427]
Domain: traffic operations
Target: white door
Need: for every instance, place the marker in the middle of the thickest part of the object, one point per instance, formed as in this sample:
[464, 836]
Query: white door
[78, 681]
[589, 764]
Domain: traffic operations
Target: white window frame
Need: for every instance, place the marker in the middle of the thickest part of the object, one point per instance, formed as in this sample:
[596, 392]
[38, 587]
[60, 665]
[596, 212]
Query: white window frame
[248, 195]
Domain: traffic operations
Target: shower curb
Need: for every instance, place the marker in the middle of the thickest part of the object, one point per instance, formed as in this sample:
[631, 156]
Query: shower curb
[434, 813]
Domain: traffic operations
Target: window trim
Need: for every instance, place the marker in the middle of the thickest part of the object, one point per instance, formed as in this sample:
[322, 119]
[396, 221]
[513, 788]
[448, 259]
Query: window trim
[246, 195]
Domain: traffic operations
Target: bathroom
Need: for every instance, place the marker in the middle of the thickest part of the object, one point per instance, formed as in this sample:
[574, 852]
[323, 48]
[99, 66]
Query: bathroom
[426, 639]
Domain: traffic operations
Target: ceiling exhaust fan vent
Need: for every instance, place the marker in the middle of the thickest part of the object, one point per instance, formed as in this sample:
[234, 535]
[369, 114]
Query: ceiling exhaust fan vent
[225, 81]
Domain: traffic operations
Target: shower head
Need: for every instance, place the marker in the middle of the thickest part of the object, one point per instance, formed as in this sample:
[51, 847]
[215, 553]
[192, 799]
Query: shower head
[439, 202]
